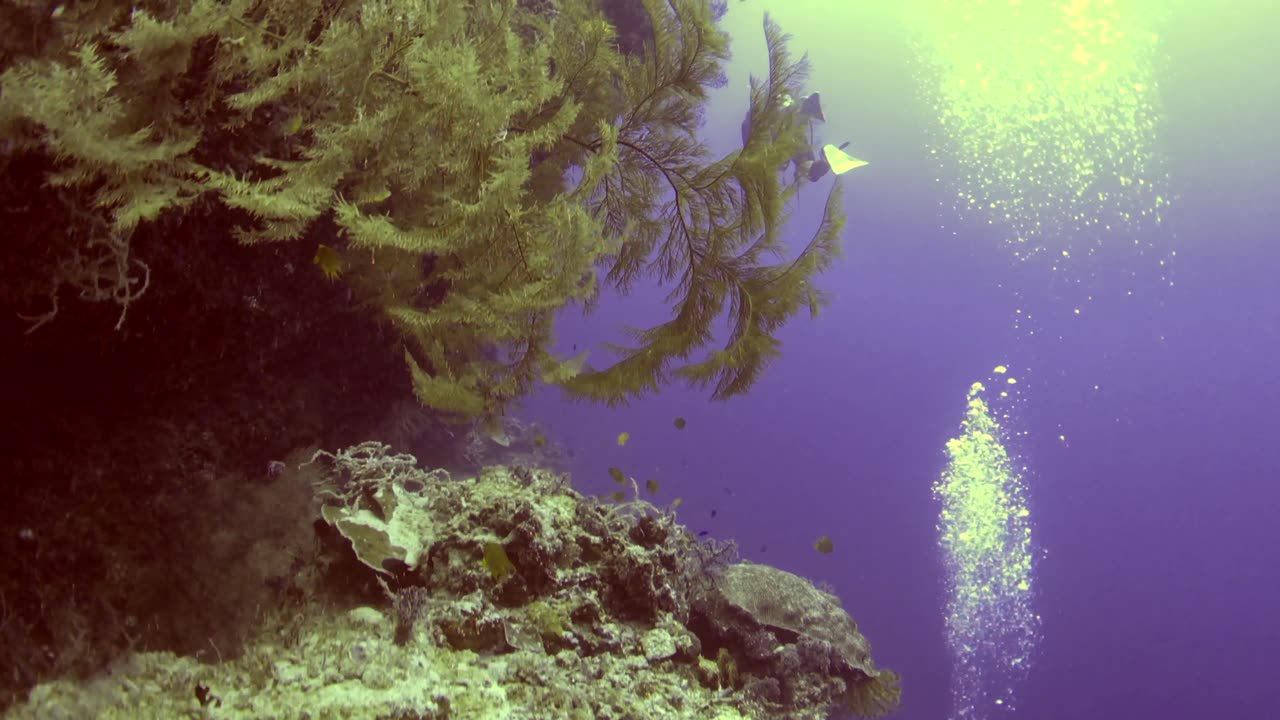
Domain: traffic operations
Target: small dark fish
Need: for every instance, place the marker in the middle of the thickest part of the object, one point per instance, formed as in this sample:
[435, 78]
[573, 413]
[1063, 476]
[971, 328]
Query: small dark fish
[703, 533]
[618, 496]
[651, 485]
[679, 423]
[824, 545]
[617, 476]
[811, 107]
[714, 513]
[819, 168]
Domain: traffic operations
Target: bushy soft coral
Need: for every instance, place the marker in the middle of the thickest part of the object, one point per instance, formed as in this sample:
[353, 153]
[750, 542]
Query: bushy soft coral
[876, 696]
[426, 151]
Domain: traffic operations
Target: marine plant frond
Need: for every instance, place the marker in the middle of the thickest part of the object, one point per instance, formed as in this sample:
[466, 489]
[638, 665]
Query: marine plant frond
[366, 230]
[130, 167]
[875, 696]
[459, 396]
[708, 228]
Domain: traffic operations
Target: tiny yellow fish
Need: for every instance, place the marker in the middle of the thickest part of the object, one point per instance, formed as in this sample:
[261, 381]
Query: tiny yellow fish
[618, 476]
[676, 503]
[651, 485]
[498, 436]
[560, 371]
[496, 432]
[840, 161]
[496, 561]
[618, 496]
[539, 440]
[824, 545]
[679, 423]
[295, 124]
[623, 438]
[329, 261]
[372, 194]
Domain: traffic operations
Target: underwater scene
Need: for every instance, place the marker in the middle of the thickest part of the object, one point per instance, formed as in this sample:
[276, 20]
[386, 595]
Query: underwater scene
[639, 359]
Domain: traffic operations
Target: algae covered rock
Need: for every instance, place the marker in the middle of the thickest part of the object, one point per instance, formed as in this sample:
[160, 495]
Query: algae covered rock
[596, 610]
[374, 498]
[790, 643]
[778, 599]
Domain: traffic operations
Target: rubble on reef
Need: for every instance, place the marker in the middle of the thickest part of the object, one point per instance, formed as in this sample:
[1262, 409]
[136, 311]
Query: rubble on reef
[507, 595]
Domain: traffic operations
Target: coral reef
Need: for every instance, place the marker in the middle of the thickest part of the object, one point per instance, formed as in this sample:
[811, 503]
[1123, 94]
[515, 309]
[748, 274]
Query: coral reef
[231, 225]
[600, 611]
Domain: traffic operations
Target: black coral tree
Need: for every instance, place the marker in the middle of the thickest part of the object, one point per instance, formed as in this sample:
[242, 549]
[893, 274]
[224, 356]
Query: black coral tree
[474, 167]
[709, 227]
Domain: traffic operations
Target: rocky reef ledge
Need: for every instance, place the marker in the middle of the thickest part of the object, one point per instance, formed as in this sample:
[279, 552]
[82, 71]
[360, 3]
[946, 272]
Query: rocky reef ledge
[506, 595]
